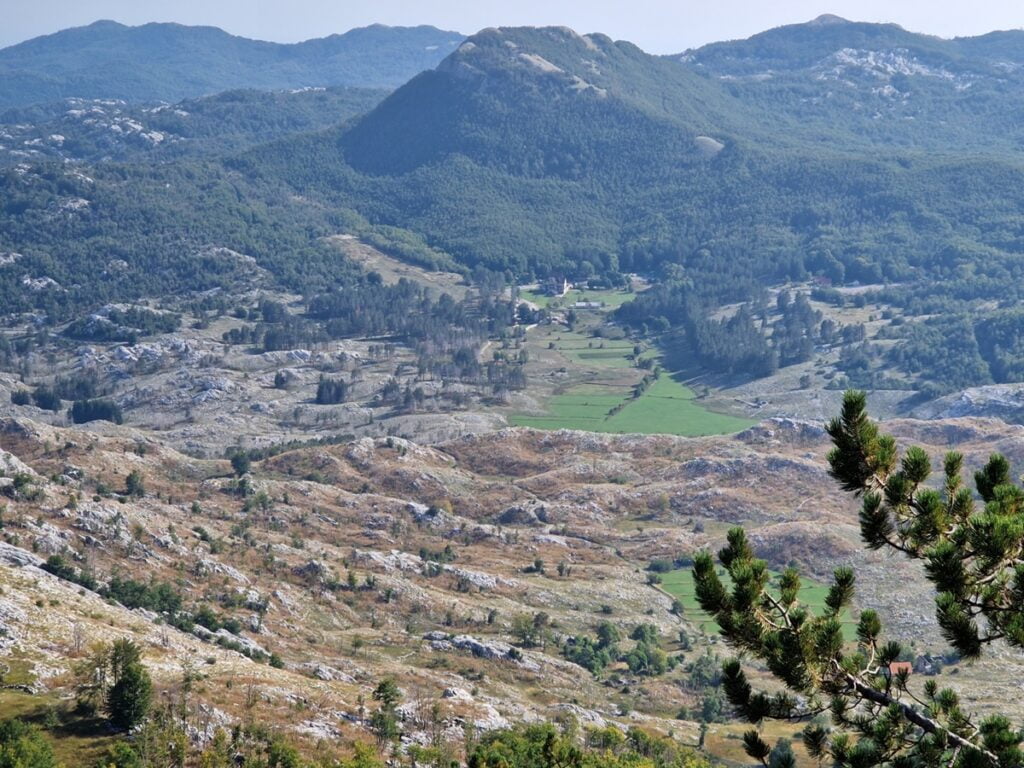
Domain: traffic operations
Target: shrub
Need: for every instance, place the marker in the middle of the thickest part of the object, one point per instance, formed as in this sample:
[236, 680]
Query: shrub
[134, 485]
[240, 463]
[23, 746]
[60, 568]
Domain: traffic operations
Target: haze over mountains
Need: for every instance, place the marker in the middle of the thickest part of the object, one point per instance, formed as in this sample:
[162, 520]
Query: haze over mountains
[170, 62]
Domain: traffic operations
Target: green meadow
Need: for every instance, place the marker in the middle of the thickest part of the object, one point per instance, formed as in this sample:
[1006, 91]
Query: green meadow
[669, 407]
[601, 399]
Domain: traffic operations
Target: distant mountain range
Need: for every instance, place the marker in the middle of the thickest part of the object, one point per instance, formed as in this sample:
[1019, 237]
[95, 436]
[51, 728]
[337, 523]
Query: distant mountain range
[878, 83]
[170, 62]
[845, 151]
[97, 130]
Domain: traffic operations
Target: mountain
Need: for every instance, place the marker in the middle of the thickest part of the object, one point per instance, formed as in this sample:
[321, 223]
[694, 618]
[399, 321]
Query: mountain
[534, 150]
[538, 152]
[170, 62]
[879, 83]
[538, 102]
[97, 130]
[545, 151]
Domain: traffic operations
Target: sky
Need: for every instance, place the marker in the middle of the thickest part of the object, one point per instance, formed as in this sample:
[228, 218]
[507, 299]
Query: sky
[658, 26]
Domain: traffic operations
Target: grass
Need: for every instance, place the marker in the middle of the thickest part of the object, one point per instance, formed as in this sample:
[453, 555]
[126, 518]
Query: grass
[603, 353]
[679, 584]
[667, 407]
[600, 397]
[76, 740]
[725, 742]
[571, 411]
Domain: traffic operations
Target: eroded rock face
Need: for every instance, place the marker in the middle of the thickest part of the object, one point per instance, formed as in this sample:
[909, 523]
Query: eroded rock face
[17, 557]
[12, 465]
[322, 671]
[209, 565]
[494, 650]
[12, 619]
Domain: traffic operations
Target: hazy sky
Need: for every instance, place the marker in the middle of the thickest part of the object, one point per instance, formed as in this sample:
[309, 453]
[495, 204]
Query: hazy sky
[658, 26]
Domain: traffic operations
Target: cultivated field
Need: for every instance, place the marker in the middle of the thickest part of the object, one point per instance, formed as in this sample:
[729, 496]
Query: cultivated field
[594, 380]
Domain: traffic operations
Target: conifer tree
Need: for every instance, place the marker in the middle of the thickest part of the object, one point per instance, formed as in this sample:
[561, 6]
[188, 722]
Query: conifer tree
[975, 559]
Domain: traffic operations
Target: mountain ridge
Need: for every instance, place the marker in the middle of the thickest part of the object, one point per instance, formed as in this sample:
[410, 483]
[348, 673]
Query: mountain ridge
[170, 62]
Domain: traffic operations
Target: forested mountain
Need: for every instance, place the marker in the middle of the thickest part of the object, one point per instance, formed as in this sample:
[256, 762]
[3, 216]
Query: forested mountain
[856, 82]
[543, 151]
[93, 130]
[170, 62]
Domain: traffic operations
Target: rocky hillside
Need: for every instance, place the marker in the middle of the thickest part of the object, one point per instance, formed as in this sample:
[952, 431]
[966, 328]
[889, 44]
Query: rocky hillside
[316, 573]
[878, 83]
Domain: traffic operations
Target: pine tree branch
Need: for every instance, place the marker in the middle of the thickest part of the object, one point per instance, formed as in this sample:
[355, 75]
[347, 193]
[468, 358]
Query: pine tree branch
[919, 719]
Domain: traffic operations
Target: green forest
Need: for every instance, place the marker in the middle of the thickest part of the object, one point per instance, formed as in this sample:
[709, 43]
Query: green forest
[642, 165]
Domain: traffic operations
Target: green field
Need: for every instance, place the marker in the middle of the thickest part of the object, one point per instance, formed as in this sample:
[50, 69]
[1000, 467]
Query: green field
[669, 407]
[666, 408]
[679, 584]
[604, 382]
[604, 353]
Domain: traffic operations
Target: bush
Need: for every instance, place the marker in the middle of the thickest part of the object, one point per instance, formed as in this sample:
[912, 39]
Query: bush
[240, 463]
[60, 568]
[22, 487]
[646, 659]
[660, 565]
[23, 746]
[21, 397]
[156, 596]
[134, 485]
[586, 653]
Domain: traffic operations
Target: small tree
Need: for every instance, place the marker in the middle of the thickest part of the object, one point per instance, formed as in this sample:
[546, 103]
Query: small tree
[240, 463]
[134, 485]
[23, 746]
[384, 722]
[129, 698]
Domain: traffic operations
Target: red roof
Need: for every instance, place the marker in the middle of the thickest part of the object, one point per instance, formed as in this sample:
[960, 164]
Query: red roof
[900, 667]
